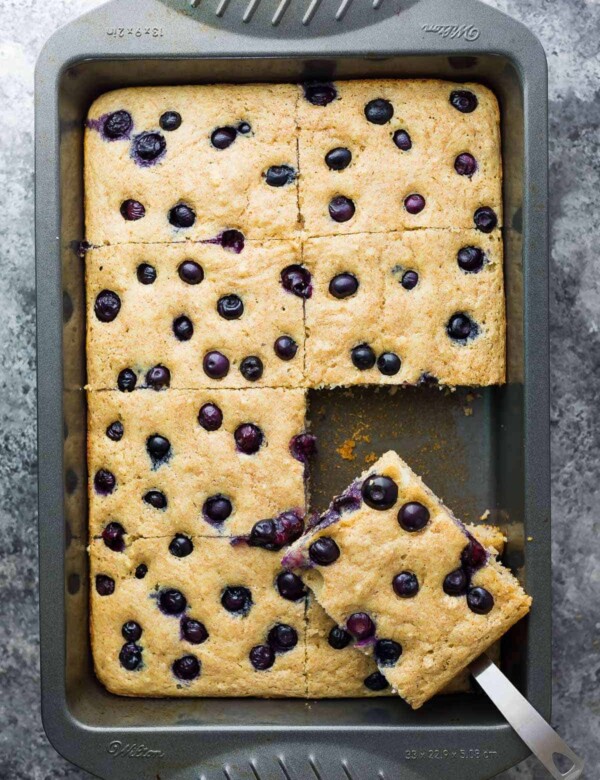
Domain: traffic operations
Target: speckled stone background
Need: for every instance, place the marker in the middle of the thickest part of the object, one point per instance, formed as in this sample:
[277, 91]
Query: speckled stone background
[570, 32]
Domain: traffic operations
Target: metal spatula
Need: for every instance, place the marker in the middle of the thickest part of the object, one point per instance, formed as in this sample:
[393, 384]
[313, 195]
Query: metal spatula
[551, 750]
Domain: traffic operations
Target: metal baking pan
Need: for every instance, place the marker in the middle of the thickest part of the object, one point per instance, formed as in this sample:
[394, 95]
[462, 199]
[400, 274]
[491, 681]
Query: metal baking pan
[496, 458]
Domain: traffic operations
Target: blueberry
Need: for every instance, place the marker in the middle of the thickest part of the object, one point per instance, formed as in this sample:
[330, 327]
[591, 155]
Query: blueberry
[280, 175]
[141, 571]
[275, 534]
[210, 417]
[297, 280]
[223, 137]
[465, 164]
[341, 208]
[410, 279]
[471, 259]
[170, 120]
[414, 203]
[485, 219]
[464, 101]
[107, 306]
[190, 272]
[474, 556]
[182, 216]
[172, 602]
[232, 240]
[361, 626]
[379, 492]
[105, 585]
[217, 509]
[461, 327]
[290, 586]
[480, 601]
[262, 657]
[428, 380]
[237, 599]
[339, 158]
[389, 363]
[156, 499]
[193, 631]
[149, 147]
[320, 93]
[146, 273]
[376, 682]
[339, 638]
[413, 516]
[405, 584]
[387, 652]
[264, 534]
[304, 447]
[131, 631]
[363, 357]
[248, 438]
[183, 328]
[216, 365]
[126, 380]
[158, 447]
[324, 551]
[282, 638]
[118, 125]
[251, 368]
[130, 656]
[132, 210]
[343, 285]
[244, 128]
[285, 348]
[379, 111]
[230, 307]
[455, 583]
[113, 537]
[181, 546]
[104, 482]
[67, 307]
[71, 481]
[187, 668]
[158, 377]
[403, 140]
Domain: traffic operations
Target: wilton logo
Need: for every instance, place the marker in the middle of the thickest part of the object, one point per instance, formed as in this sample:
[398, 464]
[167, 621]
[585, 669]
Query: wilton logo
[119, 750]
[466, 31]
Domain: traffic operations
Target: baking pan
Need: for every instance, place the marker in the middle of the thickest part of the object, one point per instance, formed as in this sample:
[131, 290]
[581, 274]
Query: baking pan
[496, 457]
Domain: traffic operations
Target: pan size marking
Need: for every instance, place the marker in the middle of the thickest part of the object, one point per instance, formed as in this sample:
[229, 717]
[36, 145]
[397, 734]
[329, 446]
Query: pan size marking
[135, 32]
[467, 31]
[441, 754]
[118, 749]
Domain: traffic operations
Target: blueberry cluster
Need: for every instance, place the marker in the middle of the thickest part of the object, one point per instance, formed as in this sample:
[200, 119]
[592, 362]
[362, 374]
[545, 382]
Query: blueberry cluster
[281, 639]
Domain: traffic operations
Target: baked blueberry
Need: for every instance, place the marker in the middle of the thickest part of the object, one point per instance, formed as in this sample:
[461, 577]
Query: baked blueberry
[275, 534]
[361, 626]
[156, 499]
[379, 492]
[363, 357]
[158, 377]
[217, 509]
[465, 164]
[410, 279]
[107, 306]
[339, 638]
[141, 571]
[405, 584]
[461, 327]
[280, 175]
[341, 208]
[237, 599]
[146, 273]
[343, 285]
[455, 583]
[262, 657]
[148, 147]
[282, 638]
[480, 601]
[428, 380]
[210, 417]
[413, 516]
[414, 203]
[339, 158]
[485, 219]
[113, 535]
[170, 120]
[464, 101]
[104, 482]
[387, 652]
[127, 380]
[216, 365]
[105, 585]
[251, 368]
[379, 111]
[320, 93]
[158, 448]
[223, 137]
[172, 601]
[117, 125]
[132, 210]
[232, 240]
[244, 128]
[181, 546]
[187, 668]
[182, 216]
[389, 363]
[471, 259]
[71, 481]
[290, 586]
[130, 656]
[403, 140]
[67, 307]
[183, 328]
[474, 556]
[303, 447]
[190, 272]
[264, 534]
[376, 682]
[248, 438]
[324, 551]
[297, 280]
[285, 348]
[193, 631]
[131, 631]
[230, 307]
